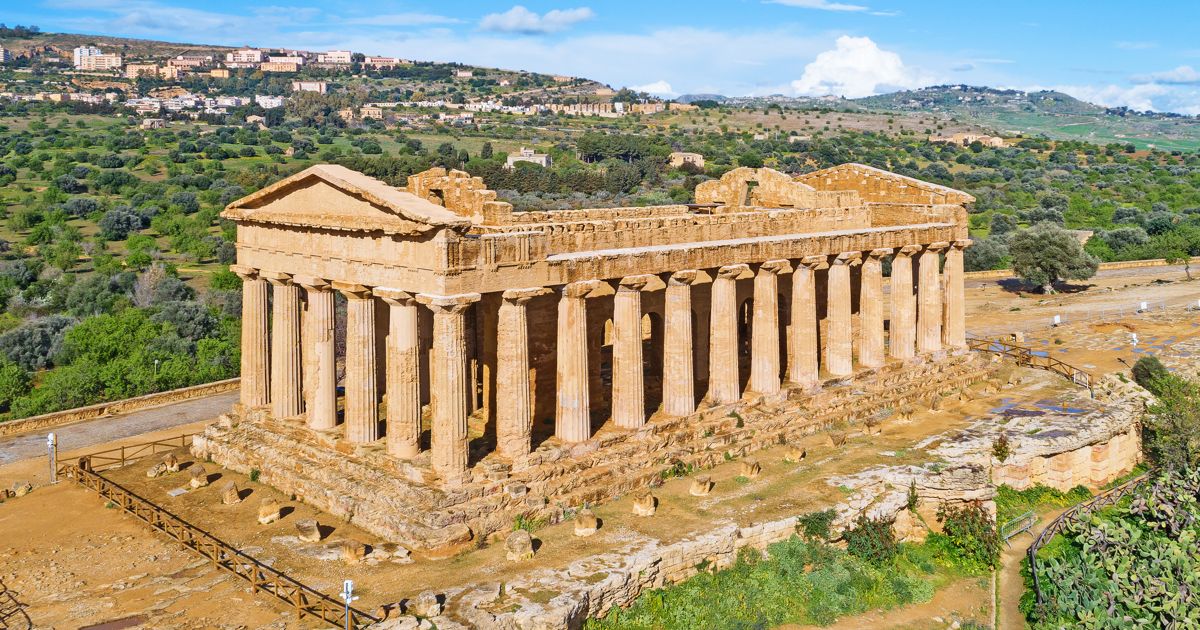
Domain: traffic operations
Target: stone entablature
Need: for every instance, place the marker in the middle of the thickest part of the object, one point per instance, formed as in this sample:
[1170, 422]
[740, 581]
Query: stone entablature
[468, 324]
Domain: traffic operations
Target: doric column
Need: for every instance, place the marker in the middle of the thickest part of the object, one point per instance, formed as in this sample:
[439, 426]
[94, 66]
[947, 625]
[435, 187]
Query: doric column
[724, 383]
[679, 378]
[903, 326]
[573, 421]
[362, 391]
[802, 335]
[514, 399]
[764, 341]
[320, 372]
[287, 398]
[402, 366]
[870, 309]
[838, 349]
[256, 354]
[954, 332]
[929, 313]
[449, 386]
[628, 384]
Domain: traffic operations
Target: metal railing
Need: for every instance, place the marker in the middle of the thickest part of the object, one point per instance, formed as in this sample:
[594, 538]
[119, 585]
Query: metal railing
[1107, 314]
[1027, 356]
[1022, 523]
[305, 600]
[1074, 515]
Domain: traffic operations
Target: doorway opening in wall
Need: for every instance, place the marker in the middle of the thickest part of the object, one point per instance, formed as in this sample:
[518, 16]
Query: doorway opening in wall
[652, 360]
[745, 329]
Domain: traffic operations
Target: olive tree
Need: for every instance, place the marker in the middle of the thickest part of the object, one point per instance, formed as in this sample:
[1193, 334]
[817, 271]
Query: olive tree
[1046, 254]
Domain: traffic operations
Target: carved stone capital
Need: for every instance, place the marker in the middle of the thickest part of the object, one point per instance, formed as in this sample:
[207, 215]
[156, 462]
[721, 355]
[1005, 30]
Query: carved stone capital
[580, 289]
[814, 263]
[521, 296]
[394, 296]
[448, 303]
[937, 247]
[734, 272]
[634, 283]
[962, 243]
[244, 272]
[880, 253]
[311, 283]
[276, 278]
[682, 278]
[847, 258]
[776, 266]
[908, 250]
[351, 290]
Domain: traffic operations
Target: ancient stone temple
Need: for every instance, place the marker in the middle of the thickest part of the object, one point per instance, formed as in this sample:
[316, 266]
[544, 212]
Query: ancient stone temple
[428, 363]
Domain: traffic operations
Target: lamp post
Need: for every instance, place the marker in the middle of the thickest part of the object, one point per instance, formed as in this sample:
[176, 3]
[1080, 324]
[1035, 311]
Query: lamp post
[156, 362]
[347, 595]
[52, 451]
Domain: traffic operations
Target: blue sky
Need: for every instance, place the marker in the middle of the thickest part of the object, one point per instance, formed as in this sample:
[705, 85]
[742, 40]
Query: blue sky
[1141, 55]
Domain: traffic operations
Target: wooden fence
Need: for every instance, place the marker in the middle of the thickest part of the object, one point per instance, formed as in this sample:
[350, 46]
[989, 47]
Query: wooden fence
[1074, 515]
[303, 599]
[12, 611]
[1027, 356]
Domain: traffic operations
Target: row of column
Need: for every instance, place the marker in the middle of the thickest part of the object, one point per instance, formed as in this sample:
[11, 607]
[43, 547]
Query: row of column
[296, 374]
[920, 322]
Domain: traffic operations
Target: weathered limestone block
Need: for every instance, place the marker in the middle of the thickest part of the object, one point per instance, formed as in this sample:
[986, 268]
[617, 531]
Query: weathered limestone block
[750, 468]
[171, 462]
[269, 511]
[586, 522]
[519, 545]
[230, 493]
[795, 455]
[427, 604]
[21, 488]
[645, 504]
[308, 530]
[156, 470]
[353, 551]
[837, 439]
[199, 475]
[701, 486]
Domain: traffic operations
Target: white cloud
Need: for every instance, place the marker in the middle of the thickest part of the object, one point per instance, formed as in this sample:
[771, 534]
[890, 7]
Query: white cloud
[659, 87]
[1183, 75]
[521, 20]
[823, 5]
[1139, 97]
[856, 68]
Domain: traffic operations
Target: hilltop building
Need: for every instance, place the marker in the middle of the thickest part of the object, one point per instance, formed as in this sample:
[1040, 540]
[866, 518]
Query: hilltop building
[278, 66]
[250, 56]
[336, 57]
[967, 139]
[320, 87]
[679, 158]
[528, 155]
[84, 51]
[501, 363]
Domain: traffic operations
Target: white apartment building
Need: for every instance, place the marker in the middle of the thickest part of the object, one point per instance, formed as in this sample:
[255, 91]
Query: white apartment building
[100, 62]
[267, 101]
[296, 59]
[245, 55]
[335, 56]
[5, 56]
[309, 86]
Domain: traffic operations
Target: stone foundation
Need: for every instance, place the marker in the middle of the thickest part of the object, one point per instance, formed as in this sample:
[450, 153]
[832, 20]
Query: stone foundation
[398, 501]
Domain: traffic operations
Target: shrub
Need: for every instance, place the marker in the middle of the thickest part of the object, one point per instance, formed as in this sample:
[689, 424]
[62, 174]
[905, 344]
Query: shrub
[1001, 449]
[33, 344]
[972, 533]
[873, 540]
[1147, 371]
[116, 224]
[815, 525]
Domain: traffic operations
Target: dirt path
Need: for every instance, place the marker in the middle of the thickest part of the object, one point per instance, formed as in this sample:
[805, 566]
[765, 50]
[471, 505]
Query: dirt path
[961, 600]
[111, 428]
[1012, 585]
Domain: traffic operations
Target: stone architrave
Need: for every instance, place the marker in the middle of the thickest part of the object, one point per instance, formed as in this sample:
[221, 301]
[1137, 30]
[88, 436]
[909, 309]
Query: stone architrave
[514, 397]
[362, 391]
[449, 387]
[628, 382]
[954, 329]
[870, 309]
[320, 372]
[803, 354]
[929, 313]
[838, 350]
[573, 416]
[764, 341]
[256, 354]
[287, 397]
[679, 378]
[903, 325]
[724, 382]
[403, 374]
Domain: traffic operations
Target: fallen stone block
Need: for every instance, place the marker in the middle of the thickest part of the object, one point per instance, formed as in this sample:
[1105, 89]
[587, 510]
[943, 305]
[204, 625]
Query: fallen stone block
[586, 522]
[519, 545]
[21, 488]
[426, 604]
[156, 470]
[308, 530]
[750, 468]
[198, 474]
[269, 511]
[795, 455]
[645, 504]
[701, 486]
[230, 494]
[171, 462]
[353, 551]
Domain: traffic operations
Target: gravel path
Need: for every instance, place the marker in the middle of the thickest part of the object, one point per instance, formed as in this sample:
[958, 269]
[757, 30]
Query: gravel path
[111, 428]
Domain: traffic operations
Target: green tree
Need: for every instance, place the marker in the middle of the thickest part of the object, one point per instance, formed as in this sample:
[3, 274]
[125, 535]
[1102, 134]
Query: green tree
[1046, 254]
[1171, 428]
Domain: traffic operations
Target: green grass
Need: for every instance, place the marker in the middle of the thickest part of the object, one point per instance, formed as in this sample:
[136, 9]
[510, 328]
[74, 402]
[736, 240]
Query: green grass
[1011, 503]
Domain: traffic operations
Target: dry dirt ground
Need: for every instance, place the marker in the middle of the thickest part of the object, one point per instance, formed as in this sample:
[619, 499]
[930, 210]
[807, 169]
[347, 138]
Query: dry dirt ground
[73, 563]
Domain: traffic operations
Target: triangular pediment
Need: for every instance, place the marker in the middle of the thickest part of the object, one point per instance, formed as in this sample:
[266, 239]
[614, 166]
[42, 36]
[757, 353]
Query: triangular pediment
[334, 197]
